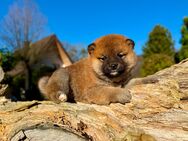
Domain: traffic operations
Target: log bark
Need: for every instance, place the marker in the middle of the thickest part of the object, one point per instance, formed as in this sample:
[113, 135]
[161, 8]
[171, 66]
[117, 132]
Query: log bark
[158, 112]
[3, 87]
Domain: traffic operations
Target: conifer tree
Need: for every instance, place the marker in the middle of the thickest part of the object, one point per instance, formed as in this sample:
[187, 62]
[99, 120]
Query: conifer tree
[158, 52]
[183, 53]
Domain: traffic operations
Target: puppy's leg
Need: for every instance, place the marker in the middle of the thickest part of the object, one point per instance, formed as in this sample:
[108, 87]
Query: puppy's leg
[139, 81]
[57, 88]
[105, 95]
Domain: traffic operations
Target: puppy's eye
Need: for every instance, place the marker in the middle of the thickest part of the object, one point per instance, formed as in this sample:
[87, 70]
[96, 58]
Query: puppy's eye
[121, 55]
[102, 58]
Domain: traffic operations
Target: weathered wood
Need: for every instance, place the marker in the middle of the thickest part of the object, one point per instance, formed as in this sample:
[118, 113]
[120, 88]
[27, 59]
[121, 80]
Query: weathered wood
[3, 87]
[158, 112]
[1, 74]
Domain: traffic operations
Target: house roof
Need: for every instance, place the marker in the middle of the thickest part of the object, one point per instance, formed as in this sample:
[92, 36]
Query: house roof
[37, 48]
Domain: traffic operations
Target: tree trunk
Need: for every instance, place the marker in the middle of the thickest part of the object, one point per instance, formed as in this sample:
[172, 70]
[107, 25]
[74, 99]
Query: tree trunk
[27, 78]
[158, 112]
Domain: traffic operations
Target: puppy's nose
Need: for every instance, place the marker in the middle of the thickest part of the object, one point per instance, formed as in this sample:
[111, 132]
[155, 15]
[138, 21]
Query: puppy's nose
[113, 66]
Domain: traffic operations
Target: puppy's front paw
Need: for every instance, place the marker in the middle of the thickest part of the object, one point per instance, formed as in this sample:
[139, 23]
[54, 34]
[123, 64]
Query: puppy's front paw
[124, 97]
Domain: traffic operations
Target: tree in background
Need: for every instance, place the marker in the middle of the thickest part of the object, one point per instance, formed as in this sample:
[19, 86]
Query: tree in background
[183, 53]
[23, 24]
[7, 60]
[158, 52]
[83, 53]
[76, 52]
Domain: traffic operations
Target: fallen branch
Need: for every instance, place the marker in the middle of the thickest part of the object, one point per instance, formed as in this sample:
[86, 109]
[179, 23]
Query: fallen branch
[158, 112]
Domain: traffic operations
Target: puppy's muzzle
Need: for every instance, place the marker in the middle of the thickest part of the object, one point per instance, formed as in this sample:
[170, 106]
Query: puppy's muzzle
[114, 69]
[113, 66]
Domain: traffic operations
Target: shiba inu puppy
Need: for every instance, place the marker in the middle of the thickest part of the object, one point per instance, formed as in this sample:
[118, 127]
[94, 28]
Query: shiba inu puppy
[97, 79]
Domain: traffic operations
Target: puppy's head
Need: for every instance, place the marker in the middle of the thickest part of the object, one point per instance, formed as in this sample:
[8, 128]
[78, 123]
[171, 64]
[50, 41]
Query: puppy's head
[112, 57]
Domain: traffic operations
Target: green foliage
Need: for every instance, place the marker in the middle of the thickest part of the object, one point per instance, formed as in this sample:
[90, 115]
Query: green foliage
[183, 52]
[155, 63]
[7, 60]
[158, 52]
[160, 41]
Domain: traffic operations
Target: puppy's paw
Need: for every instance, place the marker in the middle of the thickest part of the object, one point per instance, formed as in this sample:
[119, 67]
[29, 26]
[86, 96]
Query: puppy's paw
[61, 96]
[124, 97]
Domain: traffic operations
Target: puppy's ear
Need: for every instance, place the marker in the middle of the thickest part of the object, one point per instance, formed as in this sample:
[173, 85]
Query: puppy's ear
[130, 43]
[91, 48]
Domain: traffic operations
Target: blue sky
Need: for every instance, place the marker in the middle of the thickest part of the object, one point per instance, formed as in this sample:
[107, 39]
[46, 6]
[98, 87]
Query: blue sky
[82, 21]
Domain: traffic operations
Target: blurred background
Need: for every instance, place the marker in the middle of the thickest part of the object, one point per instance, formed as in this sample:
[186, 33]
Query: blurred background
[39, 36]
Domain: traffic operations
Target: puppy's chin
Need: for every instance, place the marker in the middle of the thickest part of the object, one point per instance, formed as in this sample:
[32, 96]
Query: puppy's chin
[114, 74]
